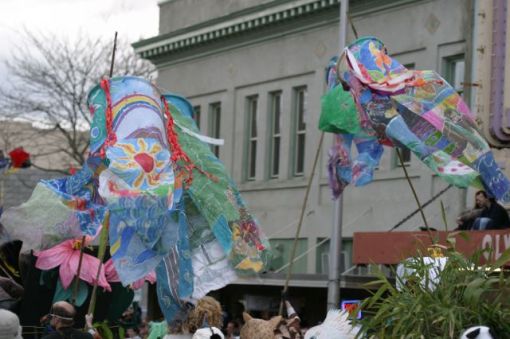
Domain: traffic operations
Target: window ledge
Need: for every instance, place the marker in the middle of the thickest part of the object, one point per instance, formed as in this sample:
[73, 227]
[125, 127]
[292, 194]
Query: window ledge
[273, 184]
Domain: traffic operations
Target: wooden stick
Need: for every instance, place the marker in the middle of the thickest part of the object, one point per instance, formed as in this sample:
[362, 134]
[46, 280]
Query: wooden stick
[103, 238]
[6, 272]
[414, 192]
[77, 277]
[113, 54]
[351, 22]
[298, 230]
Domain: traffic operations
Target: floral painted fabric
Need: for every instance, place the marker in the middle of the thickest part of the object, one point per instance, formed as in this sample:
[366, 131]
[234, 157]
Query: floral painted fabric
[417, 110]
[138, 185]
[169, 206]
[339, 115]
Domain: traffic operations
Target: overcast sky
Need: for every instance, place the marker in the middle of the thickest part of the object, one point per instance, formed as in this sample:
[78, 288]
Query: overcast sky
[133, 19]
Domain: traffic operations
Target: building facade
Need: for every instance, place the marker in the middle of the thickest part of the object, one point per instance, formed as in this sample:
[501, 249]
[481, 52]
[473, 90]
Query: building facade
[255, 72]
[45, 148]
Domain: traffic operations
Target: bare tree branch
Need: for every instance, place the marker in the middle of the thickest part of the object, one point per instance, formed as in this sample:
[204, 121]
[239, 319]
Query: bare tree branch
[50, 169]
[49, 82]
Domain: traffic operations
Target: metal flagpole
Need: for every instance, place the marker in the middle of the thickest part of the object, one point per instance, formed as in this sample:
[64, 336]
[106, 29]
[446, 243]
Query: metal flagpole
[335, 244]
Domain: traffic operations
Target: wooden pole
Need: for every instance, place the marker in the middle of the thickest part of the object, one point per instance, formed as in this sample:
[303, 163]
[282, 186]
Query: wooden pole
[414, 192]
[103, 238]
[301, 217]
[77, 277]
[351, 22]
[113, 54]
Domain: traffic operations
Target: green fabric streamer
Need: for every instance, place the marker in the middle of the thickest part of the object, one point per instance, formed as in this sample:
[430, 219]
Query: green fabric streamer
[216, 198]
[66, 295]
[157, 330]
[338, 113]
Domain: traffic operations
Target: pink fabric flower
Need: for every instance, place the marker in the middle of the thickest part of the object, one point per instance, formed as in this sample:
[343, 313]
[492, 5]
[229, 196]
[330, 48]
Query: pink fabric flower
[112, 276]
[67, 256]
[151, 278]
[110, 272]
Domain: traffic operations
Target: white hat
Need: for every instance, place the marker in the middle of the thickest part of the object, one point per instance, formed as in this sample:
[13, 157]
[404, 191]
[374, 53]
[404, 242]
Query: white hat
[9, 325]
[205, 333]
[290, 309]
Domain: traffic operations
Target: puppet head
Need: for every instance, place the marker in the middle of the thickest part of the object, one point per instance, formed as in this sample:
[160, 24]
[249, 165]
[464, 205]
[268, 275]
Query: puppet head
[259, 329]
[208, 312]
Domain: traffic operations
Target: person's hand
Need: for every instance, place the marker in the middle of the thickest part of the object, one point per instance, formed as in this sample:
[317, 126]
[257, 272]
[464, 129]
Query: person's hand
[88, 320]
[45, 320]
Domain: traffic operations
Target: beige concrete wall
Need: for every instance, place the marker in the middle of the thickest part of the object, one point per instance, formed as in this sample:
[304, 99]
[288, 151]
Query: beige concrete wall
[16, 187]
[178, 14]
[43, 145]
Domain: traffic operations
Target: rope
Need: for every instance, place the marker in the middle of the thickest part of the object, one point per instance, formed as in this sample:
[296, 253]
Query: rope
[178, 153]
[422, 206]
[111, 138]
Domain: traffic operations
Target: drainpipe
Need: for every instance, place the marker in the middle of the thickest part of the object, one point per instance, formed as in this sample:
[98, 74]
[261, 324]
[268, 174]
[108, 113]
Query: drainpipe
[499, 124]
[473, 24]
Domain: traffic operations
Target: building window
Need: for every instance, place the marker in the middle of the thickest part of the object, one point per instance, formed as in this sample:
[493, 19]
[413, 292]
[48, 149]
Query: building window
[454, 72]
[322, 255]
[300, 130]
[251, 168]
[214, 125]
[196, 115]
[282, 249]
[406, 157]
[275, 137]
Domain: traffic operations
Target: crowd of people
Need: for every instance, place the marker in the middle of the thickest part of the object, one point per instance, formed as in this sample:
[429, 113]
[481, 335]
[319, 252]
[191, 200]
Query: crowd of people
[206, 320]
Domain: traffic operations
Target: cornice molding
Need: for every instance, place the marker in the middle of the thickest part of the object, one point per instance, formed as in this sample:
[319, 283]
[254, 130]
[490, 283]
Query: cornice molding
[249, 21]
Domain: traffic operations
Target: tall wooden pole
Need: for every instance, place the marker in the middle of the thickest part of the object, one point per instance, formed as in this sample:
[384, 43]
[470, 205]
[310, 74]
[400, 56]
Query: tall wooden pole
[301, 217]
[414, 192]
[77, 277]
[103, 238]
[113, 54]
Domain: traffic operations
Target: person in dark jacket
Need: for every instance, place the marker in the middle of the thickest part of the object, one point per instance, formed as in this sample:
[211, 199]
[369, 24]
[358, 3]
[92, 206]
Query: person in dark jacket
[493, 215]
[467, 218]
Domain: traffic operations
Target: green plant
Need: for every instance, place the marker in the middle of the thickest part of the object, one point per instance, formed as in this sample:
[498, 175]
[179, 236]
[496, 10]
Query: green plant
[104, 330]
[466, 294]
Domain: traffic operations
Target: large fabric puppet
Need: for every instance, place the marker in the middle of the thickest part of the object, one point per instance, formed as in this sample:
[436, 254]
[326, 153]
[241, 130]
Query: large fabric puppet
[391, 105]
[167, 201]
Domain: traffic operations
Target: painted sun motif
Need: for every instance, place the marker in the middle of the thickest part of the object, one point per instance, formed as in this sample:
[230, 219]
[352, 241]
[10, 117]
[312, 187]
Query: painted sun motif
[143, 164]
